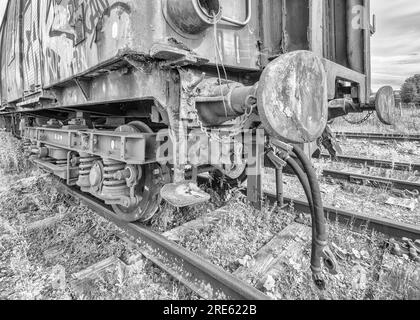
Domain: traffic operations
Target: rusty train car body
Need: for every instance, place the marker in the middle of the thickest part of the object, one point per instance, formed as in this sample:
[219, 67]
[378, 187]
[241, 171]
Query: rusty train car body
[97, 87]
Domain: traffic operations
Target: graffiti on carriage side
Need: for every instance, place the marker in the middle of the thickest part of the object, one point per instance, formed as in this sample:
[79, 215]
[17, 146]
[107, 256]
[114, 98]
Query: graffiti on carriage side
[68, 13]
[53, 59]
[31, 61]
[72, 32]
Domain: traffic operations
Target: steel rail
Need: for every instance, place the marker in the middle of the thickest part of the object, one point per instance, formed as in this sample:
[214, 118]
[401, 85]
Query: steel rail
[377, 136]
[358, 221]
[376, 163]
[211, 282]
[373, 181]
[202, 277]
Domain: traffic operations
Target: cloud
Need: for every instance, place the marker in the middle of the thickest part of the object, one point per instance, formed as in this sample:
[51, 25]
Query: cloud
[396, 44]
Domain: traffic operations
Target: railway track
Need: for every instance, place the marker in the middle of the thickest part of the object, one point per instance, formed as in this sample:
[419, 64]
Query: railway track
[209, 281]
[360, 222]
[376, 182]
[404, 166]
[377, 136]
[203, 278]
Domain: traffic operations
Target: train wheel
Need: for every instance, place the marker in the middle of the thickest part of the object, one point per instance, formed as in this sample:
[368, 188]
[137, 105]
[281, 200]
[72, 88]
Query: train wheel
[148, 192]
[148, 187]
[232, 176]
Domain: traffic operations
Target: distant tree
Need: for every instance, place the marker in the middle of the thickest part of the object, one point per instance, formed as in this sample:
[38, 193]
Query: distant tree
[410, 91]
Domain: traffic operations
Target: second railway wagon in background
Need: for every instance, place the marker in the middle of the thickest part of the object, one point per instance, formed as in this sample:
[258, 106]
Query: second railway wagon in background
[130, 99]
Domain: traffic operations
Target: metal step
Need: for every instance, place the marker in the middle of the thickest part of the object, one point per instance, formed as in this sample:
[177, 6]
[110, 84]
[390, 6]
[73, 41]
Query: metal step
[184, 194]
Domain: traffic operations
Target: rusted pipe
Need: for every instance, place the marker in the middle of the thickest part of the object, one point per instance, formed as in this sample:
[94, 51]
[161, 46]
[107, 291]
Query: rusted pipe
[220, 103]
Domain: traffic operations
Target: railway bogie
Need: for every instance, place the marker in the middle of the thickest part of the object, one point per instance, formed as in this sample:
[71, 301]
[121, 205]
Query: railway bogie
[110, 165]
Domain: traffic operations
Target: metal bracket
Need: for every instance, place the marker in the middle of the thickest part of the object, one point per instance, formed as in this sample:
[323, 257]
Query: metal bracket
[279, 165]
[139, 65]
[174, 57]
[85, 86]
[256, 171]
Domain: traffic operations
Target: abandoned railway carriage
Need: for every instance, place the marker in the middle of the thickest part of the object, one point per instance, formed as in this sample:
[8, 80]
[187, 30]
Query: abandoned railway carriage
[98, 88]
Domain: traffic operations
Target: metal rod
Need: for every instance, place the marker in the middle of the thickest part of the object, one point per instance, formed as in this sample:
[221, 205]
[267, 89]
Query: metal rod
[255, 171]
[279, 187]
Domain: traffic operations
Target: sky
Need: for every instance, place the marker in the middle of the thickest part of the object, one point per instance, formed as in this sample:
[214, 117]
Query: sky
[395, 46]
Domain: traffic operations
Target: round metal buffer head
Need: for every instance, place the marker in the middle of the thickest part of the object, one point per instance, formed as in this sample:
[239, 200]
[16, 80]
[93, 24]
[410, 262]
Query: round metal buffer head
[385, 105]
[293, 98]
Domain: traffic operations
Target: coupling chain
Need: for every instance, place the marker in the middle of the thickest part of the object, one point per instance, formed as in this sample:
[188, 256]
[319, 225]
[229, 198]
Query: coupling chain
[366, 118]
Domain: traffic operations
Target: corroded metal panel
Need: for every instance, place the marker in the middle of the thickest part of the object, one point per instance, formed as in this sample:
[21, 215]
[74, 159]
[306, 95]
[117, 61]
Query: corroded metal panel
[294, 111]
[31, 47]
[126, 147]
[1, 53]
[271, 32]
[295, 30]
[110, 27]
[117, 86]
[60, 40]
[79, 34]
[316, 26]
[11, 77]
[238, 45]
[367, 53]
[3, 65]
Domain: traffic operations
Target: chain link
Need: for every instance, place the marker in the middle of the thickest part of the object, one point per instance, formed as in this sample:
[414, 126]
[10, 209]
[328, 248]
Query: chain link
[366, 118]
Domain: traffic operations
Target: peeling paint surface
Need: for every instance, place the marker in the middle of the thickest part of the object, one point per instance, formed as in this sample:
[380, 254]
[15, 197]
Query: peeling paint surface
[293, 97]
[63, 38]
[70, 49]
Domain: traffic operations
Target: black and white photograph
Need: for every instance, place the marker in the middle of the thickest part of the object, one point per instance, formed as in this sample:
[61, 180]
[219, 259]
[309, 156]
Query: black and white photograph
[200, 157]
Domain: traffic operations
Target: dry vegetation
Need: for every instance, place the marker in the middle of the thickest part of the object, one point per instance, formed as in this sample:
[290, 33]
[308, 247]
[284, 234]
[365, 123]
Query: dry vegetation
[408, 122]
[242, 231]
[355, 198]
[39, 264]
[391, 151]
